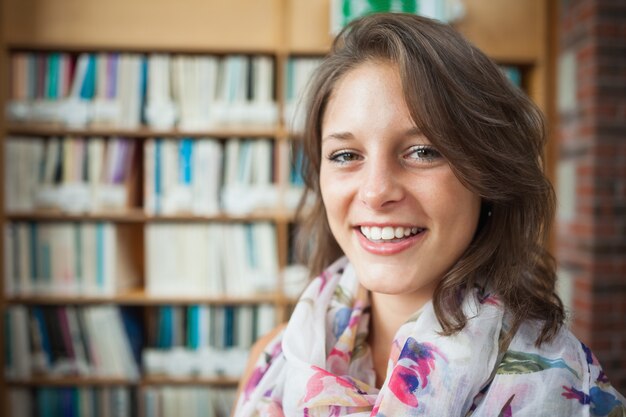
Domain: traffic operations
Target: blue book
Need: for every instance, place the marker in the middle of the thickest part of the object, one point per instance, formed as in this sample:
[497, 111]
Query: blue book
[38, 314]
[165, 331]
[185, 158]
[66, 402]
[47, 402]
[143, 87]
[131, 318]
[193, 313]
[296, 168]
[229, 326]
[53, 75]
[88, 88]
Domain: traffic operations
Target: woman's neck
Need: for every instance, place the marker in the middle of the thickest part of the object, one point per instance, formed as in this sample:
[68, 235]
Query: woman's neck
[388, 313]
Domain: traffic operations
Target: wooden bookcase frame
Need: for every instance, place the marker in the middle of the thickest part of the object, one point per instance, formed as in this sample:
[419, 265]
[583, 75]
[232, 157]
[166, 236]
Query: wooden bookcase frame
[511, 32]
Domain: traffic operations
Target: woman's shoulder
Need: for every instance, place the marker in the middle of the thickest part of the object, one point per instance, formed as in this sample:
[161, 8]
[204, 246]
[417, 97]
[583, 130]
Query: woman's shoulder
[260, 346]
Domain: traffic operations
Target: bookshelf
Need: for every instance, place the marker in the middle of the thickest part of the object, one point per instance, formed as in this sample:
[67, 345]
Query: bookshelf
[280, 29]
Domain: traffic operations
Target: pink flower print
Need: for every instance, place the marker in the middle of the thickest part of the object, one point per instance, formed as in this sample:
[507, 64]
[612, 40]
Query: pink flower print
[325, 388]
[416, 362]
[320, 379]
[260, 370]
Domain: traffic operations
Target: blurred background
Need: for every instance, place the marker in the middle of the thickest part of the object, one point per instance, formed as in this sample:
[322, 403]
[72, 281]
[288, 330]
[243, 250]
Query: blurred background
[150, 156]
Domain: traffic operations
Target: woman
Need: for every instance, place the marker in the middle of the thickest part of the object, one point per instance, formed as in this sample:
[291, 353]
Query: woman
[432, 207]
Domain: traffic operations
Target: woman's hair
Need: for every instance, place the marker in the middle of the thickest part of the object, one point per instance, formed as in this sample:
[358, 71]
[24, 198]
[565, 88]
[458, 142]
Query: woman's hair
[493, 138]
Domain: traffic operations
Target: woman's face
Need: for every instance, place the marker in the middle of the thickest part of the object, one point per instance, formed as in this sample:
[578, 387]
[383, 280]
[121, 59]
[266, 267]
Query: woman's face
[393, 203]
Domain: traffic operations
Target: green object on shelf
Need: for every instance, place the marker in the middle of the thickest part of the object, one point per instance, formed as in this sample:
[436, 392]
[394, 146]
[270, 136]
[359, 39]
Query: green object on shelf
[353, 9]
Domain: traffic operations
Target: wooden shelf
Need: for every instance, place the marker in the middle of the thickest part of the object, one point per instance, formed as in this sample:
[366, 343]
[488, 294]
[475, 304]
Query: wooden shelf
[64, 381]
[39, 129]
[139, 297]
[220, 381]
[138, 216]
[103, 48]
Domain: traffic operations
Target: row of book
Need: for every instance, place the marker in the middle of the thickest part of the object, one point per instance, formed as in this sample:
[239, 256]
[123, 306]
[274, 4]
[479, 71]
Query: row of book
[72, 401]
[91, 258]
[130, 89]
[73, 174]
[200, 176]
[206, 341]
[179, 259]
[207, 177]
[197, 326]
[192, 401]
[298, 73]
[100, 341]
[211, 259]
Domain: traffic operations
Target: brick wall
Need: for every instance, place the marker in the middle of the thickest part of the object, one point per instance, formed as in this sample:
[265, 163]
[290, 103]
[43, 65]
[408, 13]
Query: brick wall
[591, 166]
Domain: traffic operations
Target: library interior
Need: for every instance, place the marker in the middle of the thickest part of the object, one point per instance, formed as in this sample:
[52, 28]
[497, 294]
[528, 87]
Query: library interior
[149, 227]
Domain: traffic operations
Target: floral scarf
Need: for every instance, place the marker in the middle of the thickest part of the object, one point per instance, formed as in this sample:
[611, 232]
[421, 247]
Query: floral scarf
[320, 365]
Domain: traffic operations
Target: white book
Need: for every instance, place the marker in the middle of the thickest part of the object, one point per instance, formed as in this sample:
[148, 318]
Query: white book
[92, 341]
[151, 402]
[80, 73]
[208, 67]
[11, 262]
[161, 266]
[231, 161]
[24, 259]
[207, 164]
[124, 353]
[237, 262]
[19, 366]
[169, 176]
[216, 256]
[21, 402]
[43, 279]
[263, 81]
[89, 259]
[266, 319]
[129, 90]
[160, 111]
[265, 246]
[11, 189]
[86, 399]
[95, 169]
[63, 258]
[169, 397]
[80, 356]
[105, 258]
[179, 93]
[98, 349]
[191, 260]
[203, 326]
[149, 165]
[245, 326]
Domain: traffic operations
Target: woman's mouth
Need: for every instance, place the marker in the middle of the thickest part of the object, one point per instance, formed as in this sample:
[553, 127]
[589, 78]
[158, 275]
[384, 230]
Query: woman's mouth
[389, 233]
[389, 240]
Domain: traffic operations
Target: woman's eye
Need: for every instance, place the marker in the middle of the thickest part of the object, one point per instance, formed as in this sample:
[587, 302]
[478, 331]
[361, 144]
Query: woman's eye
[343, 157]
[424, 153]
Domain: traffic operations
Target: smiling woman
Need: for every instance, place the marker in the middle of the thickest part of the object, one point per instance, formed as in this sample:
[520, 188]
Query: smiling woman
[432, 209]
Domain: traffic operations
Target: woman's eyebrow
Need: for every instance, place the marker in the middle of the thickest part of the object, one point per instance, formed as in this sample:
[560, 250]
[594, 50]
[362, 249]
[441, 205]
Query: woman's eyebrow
[342, 136]
[339, 136]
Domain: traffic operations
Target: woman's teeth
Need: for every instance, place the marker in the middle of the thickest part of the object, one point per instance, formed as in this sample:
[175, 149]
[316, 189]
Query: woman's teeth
[388, 232]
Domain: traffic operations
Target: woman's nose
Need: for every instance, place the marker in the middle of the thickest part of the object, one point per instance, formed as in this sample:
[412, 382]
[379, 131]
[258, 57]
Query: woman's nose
[380, 185]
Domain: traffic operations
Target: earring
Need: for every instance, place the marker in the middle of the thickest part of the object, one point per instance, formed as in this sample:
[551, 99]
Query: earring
[489, 213]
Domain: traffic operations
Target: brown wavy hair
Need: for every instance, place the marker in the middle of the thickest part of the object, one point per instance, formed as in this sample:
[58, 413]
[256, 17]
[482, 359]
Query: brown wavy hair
[493, 137]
